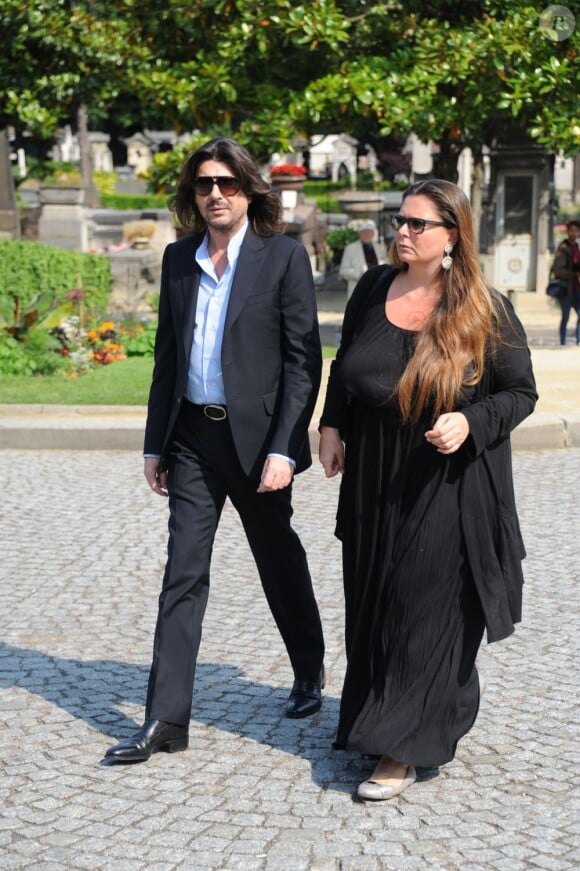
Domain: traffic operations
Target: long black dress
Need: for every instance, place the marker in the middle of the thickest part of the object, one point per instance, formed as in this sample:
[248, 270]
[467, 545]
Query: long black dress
[414, 621]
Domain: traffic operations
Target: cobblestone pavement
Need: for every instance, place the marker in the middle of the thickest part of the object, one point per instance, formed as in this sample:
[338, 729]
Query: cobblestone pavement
[82, 551]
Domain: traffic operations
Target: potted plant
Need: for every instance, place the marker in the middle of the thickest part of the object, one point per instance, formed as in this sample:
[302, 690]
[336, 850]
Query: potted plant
[62, 188]
[335, 242]
[288, 176]
[139, 233]
[294, 170]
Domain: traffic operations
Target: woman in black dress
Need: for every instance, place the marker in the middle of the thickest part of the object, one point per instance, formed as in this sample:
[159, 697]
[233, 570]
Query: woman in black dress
[432, 374]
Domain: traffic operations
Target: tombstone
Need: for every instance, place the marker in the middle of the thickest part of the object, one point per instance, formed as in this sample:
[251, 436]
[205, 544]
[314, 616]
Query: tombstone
[66, 146]
[135, 274]
[139, 153]
[9, 217]
[62, 221]
[101, 155]
[517, 257]
[143, 145]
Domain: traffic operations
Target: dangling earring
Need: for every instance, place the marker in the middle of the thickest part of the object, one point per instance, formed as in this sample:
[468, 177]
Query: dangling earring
[447, 261]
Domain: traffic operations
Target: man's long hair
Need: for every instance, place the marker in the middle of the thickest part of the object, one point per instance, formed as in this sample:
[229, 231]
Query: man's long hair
[265, 208]
[451, 348]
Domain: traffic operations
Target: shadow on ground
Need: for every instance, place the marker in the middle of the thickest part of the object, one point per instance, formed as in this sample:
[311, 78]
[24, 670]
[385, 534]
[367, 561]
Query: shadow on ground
[95, 691]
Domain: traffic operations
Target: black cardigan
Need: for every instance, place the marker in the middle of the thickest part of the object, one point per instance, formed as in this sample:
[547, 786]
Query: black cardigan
[505, 396]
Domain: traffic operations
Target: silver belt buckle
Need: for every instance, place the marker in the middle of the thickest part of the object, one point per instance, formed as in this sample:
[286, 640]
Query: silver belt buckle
[215, 412]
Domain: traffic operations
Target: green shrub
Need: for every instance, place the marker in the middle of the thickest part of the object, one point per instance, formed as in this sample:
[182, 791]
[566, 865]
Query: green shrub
[13, 357]
[28, 269]
[42, 352]
[38, 355]
[134, 202]
[163, 173]
[139, 339]
[335, 242]
[105, 182]
[340, 237]
[152, 300]
[45, 169]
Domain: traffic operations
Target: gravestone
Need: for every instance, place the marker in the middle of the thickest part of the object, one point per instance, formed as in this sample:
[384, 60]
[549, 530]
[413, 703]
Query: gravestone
[62, 220]
[9, 217]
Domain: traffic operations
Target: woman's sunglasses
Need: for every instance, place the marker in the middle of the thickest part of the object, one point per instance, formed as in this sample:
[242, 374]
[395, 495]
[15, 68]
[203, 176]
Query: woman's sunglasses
[227, 184]
[415, 225]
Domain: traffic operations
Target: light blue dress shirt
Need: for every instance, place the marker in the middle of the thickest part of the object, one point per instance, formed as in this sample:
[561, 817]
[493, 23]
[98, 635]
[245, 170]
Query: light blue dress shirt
[205, 383]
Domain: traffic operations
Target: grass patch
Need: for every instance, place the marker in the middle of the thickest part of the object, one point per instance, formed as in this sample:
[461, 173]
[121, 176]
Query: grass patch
[123, 383]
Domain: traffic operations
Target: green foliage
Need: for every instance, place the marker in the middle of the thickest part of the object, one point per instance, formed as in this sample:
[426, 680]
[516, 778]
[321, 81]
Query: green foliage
[13, 357]
[335, 242]
[125, 383]
[41, 351]
[337, 239]
[26, 344]
[133, 202]
[163, 173]
[58, 54]
[46, 169]
[27, 269]
[152, 300]
[140, 339]
[274, 70]
[40, 289]
[105, 182]
[41, 311]
[458, 74]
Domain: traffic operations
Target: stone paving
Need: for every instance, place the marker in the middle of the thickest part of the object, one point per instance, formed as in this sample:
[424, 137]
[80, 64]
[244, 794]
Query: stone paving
[82, 552]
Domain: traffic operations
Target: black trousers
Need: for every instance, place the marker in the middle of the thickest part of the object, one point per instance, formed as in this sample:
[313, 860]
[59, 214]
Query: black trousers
[203, 469]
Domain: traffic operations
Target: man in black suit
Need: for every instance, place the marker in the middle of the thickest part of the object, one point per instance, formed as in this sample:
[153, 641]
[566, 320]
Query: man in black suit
[237, 371]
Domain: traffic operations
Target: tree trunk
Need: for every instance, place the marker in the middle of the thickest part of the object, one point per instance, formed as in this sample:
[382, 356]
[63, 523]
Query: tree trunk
[91, 193]
[445, 163]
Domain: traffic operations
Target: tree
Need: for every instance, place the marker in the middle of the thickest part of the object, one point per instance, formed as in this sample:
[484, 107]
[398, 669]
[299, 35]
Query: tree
[459, 74]
[268, 70]
[462, 75]
[58, 58]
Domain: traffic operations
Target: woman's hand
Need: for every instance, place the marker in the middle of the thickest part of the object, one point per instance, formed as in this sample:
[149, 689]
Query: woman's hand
[449, 432]
[331, 451]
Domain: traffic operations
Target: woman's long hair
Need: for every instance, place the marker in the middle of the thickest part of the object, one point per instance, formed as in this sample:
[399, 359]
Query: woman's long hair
[265, 208]
[451, 348]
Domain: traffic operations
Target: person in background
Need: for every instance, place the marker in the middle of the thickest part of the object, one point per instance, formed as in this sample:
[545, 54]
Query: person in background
[237, 370]
[432, 374]
[566, 268]
[360, 255]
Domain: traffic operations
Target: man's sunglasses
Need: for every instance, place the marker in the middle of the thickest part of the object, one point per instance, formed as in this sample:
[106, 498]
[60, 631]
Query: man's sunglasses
[227, 184]
[415, 225]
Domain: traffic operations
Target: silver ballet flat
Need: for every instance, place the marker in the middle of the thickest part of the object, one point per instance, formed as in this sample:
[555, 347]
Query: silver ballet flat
[370, 790]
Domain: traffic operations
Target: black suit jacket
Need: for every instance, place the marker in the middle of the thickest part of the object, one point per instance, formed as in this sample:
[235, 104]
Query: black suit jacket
[271, 353]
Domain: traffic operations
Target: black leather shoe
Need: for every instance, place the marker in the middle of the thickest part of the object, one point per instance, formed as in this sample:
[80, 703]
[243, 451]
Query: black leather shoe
[306, 697]
[153, 736]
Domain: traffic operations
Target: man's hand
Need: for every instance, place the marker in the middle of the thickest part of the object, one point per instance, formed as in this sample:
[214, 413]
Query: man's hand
[449, 432]
[157, 480]
[331, 451]
[276, 474]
